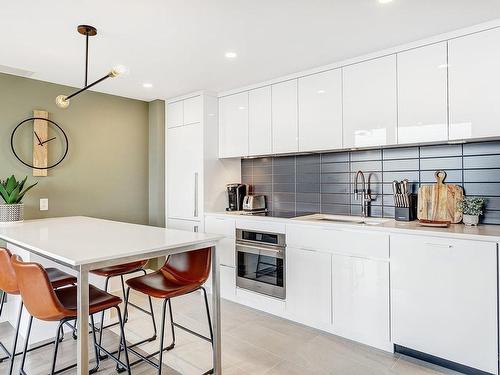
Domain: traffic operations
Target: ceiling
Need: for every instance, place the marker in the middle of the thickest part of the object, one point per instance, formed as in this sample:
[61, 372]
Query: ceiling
[179, 45]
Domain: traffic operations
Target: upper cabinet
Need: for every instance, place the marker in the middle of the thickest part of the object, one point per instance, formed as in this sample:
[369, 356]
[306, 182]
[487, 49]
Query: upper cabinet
[422, 94]
[284, 117]
[193, 108]
[320, 111]
[233, 125]
[260, 121]
[175, 114]
[474, 78]
[370, 103]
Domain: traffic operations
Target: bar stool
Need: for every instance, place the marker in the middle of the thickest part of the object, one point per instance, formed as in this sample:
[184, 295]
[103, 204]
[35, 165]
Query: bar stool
[8, 283]
[122, 270]
[181, 274]
[47, 304]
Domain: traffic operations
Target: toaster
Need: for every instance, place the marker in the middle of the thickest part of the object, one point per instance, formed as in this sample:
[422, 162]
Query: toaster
[254, 203]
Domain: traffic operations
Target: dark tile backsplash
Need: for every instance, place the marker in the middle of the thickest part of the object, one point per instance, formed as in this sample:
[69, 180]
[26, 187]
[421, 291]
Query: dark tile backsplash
[325, 182]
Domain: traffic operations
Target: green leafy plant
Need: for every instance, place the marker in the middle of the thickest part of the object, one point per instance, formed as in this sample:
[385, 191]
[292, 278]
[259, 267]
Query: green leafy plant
[472, 206]
[12, 191]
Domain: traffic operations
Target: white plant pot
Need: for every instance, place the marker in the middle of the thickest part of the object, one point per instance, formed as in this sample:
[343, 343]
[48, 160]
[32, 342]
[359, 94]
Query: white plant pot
[471, 220]
[11, 213]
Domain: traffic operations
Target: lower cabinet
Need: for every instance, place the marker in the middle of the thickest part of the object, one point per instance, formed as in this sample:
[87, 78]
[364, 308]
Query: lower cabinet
[227, 282]
[360, 289]
[345, 295]
[308, 287]
[444, 299]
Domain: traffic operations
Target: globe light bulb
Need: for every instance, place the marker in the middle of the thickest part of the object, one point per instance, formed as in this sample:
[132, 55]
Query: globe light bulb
[62, 102]
[117, 70]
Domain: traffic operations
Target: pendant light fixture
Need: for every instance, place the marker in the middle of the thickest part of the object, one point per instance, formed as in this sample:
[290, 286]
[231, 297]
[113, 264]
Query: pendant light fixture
[62, 101]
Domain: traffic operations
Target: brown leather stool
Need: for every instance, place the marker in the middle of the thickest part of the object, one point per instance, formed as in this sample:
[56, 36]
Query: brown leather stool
[181, 274]
[122, 270]
[8, 284]
[47, 304]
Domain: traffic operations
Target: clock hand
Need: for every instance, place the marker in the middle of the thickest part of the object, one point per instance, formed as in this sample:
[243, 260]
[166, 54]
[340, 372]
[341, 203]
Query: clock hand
[48, 140]
[37, 137]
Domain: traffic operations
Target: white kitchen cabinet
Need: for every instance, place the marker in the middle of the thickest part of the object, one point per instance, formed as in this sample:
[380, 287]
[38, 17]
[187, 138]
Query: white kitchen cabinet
[193, 110]
[260, 121]
[444, 299]
[360, 290]
[233, 125]
[370, 103]
[184, 172]
[422, 94]
[308, 283]
[474, 78]
[284, 117]
[175, 114]
[187, 225]
[320, 111]
[227, 282]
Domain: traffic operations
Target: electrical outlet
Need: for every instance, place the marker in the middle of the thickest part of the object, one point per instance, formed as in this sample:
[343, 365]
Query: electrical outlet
[44, 204]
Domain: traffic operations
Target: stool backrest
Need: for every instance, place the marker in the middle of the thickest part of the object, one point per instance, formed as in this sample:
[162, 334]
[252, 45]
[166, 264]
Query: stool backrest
[8, 280]
[37, 291]
[191, 266]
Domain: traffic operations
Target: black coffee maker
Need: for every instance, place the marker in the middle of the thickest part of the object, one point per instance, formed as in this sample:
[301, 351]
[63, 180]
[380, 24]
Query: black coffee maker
[235, 194]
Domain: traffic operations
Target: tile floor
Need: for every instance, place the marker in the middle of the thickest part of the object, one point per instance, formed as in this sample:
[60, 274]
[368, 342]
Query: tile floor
[254, 343]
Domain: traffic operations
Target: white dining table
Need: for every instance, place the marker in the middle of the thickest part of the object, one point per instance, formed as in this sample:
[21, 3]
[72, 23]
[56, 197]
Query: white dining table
[84, 244]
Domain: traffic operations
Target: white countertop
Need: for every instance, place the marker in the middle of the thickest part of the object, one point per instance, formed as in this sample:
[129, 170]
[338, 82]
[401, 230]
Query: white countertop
[82, 240]
[481, 232]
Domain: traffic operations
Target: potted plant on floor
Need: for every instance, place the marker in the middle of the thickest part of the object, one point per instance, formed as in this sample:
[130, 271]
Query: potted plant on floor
[471, 209]
[12, 193]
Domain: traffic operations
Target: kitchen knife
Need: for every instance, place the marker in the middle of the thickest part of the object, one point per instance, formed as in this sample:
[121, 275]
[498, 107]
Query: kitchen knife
[396, 190]
[404, 185]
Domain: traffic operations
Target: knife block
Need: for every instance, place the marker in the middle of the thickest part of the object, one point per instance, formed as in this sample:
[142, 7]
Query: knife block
[407, 213]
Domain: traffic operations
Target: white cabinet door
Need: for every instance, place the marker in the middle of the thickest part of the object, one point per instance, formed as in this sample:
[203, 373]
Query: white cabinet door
[320, 111]
[233, 125]
[184, 167]
[444, 298]
[187, 225]
[422, 94]
[193, 110]
[175, 114]
[259, 126]
[284, 116]
[360, 289]
[308, 283]
[370, 105]
[474, 76]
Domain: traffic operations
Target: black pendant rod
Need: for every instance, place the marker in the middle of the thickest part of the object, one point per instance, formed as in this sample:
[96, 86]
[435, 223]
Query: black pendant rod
[89, 86]
[86, 58]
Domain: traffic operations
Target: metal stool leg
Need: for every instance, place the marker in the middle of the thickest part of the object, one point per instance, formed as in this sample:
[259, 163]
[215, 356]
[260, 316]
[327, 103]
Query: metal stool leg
[14, 346]
[27, 339]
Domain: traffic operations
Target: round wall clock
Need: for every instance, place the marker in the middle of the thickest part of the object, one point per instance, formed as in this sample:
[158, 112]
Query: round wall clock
[31, 139]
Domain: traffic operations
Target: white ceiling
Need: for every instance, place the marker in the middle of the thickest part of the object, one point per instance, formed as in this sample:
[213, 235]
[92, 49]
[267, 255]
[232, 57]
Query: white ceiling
[179, 45]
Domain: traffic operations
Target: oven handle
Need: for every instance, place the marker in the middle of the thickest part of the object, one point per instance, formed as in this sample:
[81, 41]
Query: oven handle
[257, 250]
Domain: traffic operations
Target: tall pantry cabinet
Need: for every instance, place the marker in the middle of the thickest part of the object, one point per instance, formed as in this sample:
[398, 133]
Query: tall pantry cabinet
[195, 177]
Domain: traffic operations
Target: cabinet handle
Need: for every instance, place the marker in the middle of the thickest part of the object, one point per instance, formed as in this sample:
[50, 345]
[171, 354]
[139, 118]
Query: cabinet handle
[446, 246]
[195, 229]
[195, 194]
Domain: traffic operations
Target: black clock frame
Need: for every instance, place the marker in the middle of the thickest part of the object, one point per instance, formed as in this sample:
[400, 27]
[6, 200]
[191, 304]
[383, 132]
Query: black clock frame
[31, 166]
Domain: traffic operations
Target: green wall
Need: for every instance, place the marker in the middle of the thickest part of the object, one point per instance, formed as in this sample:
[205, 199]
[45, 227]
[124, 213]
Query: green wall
[106, 172]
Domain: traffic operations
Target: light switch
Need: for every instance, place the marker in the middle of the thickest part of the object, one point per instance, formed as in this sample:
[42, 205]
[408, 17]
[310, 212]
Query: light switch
[44, 204]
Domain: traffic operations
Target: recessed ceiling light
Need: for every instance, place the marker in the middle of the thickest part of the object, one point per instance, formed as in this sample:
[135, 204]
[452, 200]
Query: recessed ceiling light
[147, 85]
[321, 91]
[385, 1]
[231, 55]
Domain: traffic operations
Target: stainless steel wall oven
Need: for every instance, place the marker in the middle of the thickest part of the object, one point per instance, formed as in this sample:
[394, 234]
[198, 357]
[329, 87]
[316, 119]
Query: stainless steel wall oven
[260, 262]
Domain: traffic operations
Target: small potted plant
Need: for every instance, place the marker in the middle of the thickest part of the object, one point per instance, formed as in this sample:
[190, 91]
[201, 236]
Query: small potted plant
[471, 209]
[12, 193]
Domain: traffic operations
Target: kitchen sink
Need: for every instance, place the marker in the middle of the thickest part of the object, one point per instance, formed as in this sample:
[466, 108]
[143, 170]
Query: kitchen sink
[343, 219]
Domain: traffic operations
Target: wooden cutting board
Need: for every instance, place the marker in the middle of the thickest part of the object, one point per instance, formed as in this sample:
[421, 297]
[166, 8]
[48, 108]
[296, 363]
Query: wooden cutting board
[439, 202]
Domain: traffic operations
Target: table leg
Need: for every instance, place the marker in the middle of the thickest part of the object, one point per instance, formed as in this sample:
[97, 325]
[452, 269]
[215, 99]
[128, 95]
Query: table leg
[216, 312]
[82, 346]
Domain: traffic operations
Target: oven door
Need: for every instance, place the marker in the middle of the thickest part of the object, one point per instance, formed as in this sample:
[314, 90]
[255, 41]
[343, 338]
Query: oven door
[261, 269]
